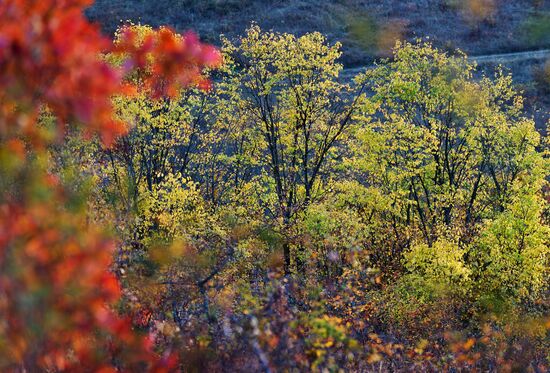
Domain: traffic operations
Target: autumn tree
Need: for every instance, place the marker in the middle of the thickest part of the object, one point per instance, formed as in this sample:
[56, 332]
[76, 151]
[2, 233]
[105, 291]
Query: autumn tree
[57, 293]
[446, 146]
[286, 90]
[163, 133]
[456, 161]
[161, 188]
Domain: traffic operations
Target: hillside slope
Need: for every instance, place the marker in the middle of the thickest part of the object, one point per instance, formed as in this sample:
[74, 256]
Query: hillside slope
[475, 26]
[366, 28]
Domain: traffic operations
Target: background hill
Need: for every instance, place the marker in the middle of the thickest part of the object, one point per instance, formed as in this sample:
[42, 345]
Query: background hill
[366, 28]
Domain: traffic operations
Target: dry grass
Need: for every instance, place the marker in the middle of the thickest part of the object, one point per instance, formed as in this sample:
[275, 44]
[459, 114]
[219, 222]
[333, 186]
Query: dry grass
[365, 27]
[476, 26]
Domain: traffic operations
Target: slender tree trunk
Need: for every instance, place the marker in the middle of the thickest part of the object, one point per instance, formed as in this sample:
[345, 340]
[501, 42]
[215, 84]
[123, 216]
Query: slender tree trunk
[286, 253]
[286, 244]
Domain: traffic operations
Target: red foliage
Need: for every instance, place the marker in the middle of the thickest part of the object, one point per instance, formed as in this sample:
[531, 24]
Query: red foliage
[166, 78]
[50, 54]
[56, 292]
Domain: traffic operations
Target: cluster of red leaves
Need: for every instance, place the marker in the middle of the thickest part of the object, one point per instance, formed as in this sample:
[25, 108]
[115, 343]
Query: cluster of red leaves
[155, 56]
[49, 54]
[57, 284]
[56, 292]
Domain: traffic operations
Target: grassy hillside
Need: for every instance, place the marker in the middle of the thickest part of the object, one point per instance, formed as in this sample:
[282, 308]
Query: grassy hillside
[476, 26]
[366, 28]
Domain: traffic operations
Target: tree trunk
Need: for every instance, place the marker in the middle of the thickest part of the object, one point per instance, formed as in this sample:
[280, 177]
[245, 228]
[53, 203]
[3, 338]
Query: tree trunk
[286, 253]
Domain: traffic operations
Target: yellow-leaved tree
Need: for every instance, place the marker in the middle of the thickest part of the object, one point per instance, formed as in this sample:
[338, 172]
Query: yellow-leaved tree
[285, 91]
